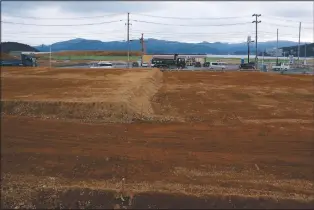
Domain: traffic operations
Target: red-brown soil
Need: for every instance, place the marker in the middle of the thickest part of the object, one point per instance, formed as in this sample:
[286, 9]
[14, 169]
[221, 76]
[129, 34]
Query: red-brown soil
[232, 140]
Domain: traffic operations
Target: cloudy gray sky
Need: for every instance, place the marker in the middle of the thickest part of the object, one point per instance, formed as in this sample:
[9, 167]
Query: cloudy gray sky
[46, 22]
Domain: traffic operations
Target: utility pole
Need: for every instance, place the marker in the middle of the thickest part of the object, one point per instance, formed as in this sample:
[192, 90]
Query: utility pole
[248, 52]
[248, 48]
[256, 22]
[128, 39]
[305, 53]
[263, 60]
[299, 44]
[142, 44]
[50, 58]
[277, 49]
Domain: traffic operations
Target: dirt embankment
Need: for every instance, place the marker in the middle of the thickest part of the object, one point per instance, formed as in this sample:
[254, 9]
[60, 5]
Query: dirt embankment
[90, 95]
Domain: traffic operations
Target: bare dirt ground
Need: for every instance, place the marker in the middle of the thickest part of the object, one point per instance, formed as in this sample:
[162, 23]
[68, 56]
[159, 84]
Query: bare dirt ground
[231, 140]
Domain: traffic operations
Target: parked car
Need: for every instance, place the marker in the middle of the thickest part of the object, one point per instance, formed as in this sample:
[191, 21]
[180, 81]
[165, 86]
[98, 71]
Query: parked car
[217, 65]
[102, 64]
[144, 64]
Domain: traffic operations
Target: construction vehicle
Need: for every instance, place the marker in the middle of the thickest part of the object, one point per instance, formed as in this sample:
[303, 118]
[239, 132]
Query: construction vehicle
[250, 65]
[169, 63]
[26, 60]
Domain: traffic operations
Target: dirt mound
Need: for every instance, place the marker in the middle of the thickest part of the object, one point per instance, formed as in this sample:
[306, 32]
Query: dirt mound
[119, 97]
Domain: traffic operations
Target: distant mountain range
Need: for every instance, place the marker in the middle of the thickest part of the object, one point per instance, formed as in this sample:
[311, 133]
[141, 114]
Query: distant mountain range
[155, 46]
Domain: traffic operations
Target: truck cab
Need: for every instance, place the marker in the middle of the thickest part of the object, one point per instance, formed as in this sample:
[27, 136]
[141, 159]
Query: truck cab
[28, 60]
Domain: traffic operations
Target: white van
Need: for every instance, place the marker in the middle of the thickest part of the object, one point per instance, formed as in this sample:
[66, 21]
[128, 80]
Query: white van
[217, 65]
[103, 64]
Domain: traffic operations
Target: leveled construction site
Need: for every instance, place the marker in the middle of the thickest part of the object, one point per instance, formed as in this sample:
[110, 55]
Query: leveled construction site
[178, 139]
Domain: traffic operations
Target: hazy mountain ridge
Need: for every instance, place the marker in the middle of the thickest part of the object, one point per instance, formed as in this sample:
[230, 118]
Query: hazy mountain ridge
[155, 46]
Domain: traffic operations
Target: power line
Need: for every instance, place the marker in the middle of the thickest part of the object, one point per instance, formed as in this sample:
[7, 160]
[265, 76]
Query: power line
[173, 32]
[74, 33]
[229, 24]
[191, 18]
[84, 24]
[286, 20]
[274, 24]
[61, 36]
[68, 18]
[205, 34]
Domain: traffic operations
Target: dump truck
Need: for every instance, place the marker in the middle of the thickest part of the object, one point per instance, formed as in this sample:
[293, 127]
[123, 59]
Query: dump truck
[169, 63]
[26, 60]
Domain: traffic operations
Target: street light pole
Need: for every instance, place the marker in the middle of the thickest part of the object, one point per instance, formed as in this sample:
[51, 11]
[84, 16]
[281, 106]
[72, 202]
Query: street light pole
[256, 22]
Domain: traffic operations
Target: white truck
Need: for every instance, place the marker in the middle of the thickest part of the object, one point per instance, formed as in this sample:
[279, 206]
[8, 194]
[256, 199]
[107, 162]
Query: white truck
[103, 65]
[280, 67]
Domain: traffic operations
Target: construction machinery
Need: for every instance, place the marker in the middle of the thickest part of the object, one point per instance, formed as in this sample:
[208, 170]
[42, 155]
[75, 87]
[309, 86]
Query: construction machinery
[169, 63]
[250, 65]
[26, 60]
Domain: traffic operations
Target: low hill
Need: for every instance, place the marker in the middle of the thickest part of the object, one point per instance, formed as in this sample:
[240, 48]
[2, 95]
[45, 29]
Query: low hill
[7, 47]
[293, 50]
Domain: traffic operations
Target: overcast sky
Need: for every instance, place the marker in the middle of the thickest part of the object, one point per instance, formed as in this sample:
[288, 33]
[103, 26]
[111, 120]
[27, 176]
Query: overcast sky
[176, 21]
